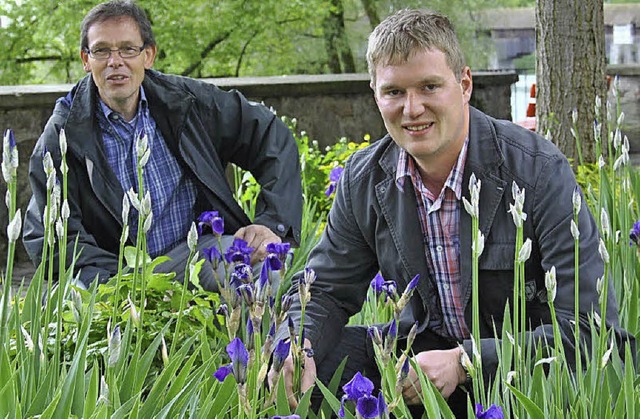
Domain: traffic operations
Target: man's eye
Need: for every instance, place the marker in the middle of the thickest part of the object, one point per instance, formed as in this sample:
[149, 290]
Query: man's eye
[100, 51]
[394, 92]
[430, 87]
[129, 50]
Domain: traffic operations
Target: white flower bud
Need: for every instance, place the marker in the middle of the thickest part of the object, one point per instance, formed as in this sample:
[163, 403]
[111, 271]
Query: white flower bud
[63, 141]
[13, 229]
[133, 197]
[478, 249]
[192, 237]
[596, 319]
[164, 352]
[573, 132]
[65, 212]
[574, 116]
[599, 284]
[510, 376]
[146, 203]
[620, 120]
[59, 229]
[47, 163]
[604, 224]
[604, 254]
[551, 283]
[617, 139]
[51, 181]
[64, 169]
[28, 342]
[469, 208]
[133, 312]
[147, 222]
[601, 162]
[125, 209]
[525, 251]
[145, 158]
[104, 391]
[114, 347]
[606, 356]
[142, 144]
[574, 230]
[7, 198]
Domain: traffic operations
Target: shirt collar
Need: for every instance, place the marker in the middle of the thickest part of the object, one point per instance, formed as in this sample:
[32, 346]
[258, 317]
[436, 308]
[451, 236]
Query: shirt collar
[406, 164]
[143, 105]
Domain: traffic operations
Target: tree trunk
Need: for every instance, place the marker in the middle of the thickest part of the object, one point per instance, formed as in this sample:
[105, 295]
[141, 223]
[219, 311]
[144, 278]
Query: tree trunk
[340, 58]
[571, 72]
[372, 14]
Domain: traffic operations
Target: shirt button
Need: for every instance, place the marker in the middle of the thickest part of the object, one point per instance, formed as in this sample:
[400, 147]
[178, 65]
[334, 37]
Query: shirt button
[446, 287]
[280, 228]
[453, 321]
[439, 248]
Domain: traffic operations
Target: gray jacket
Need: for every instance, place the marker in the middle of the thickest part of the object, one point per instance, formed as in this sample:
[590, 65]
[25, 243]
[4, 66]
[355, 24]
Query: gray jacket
[374, 226]
[204, 127]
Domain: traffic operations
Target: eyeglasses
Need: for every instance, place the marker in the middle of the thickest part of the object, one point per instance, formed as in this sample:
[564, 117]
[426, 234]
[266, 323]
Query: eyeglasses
[124, 52]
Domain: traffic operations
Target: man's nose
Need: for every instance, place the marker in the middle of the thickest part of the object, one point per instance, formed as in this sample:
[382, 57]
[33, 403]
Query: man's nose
[115, 60]
[413, 105]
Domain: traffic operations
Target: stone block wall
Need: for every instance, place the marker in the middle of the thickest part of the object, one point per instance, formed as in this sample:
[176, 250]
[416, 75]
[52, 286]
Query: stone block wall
[327, 107]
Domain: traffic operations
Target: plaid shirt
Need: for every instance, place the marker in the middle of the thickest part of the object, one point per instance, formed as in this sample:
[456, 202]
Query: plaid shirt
[439, 216]
[173, 194]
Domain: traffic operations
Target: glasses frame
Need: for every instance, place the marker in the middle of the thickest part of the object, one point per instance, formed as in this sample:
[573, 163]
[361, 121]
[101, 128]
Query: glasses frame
[112, 50]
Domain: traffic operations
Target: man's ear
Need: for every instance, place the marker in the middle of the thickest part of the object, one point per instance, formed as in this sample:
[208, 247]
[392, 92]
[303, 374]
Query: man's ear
[150, 56]
[84, 56]
[466, 83]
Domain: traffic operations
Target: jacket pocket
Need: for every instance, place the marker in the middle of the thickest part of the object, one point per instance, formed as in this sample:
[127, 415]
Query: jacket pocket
[495, 275]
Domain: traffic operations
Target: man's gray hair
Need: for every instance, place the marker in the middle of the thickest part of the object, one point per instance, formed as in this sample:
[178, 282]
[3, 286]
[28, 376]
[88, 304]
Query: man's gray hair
[407, 31]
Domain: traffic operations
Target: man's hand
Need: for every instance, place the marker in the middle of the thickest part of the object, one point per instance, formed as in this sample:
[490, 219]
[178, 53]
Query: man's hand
[258, 237]
[306, 381]
[441, 367]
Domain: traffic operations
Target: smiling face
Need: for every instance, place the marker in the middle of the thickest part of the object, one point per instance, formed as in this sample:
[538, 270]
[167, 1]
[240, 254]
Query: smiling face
[425, 107]
[118, 79]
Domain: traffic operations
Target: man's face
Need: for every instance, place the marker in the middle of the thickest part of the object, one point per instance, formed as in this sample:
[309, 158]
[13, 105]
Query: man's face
[424, 106]
[118, 79]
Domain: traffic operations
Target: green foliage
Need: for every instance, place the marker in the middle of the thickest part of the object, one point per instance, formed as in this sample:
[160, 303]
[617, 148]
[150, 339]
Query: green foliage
[39, 39]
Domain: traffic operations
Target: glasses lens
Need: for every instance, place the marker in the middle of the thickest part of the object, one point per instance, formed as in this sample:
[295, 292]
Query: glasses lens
[129, 52]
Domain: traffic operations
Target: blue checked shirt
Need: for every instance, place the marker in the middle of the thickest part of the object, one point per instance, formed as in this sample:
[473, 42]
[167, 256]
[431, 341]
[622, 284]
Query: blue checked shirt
[173, 194]
[439, 216]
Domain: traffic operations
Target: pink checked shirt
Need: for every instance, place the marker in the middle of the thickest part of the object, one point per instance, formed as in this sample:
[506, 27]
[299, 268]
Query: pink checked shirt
[439, 216]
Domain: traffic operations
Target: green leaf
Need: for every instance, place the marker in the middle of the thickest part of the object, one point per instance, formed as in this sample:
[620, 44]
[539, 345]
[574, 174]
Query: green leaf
[92, 391]
[332, 400]
[531, 408]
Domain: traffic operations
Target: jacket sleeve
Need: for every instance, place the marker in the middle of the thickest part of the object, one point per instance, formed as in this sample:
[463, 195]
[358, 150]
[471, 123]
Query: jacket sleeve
[344, 264]
[91, 262]
[256, 140]
[551, 212]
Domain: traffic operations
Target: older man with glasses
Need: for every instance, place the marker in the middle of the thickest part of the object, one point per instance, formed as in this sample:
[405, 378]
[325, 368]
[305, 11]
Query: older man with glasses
[193, 130]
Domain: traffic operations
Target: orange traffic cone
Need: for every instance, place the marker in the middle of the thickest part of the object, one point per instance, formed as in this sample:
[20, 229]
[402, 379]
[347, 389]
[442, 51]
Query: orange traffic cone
[531, 107]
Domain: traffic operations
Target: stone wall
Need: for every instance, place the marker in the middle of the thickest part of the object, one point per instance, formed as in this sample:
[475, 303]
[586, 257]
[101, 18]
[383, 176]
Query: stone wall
[629, 96]
[327, 107]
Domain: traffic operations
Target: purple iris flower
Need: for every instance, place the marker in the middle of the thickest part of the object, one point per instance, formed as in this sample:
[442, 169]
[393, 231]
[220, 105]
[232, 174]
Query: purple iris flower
[212, 220]
[367, 406]
[222, 372]
[239, 251]
[413, 283]
[239, 359]
[280, 354]
[391, 288]
[242, 273]
[286, 417]
[358, 387]
[634, 234]
[212, 255]
[493, 412]
[247, 293]
[249, 338]
[273, 262]
[280, 249]
[377, 283]
[12, 138]
[382, 405]
[392, 333]
[334, 177]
